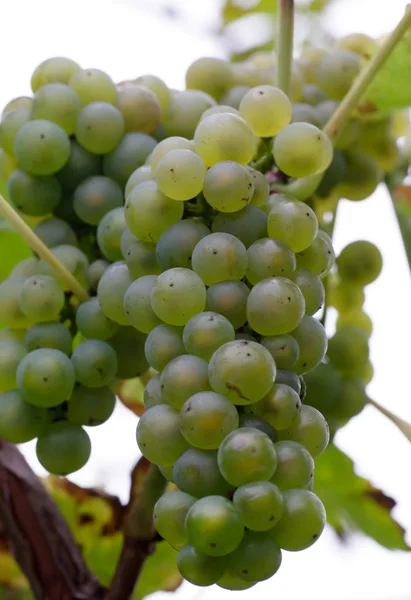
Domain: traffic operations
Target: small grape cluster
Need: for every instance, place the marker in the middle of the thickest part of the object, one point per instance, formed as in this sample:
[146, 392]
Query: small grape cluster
[201, 276]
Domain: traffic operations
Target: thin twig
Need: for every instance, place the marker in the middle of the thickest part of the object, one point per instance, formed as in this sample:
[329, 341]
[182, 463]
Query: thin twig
[402, 425]
[285, 34]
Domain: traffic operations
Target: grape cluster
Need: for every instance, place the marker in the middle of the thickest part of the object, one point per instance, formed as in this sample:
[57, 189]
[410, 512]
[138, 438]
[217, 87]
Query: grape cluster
[153, 199]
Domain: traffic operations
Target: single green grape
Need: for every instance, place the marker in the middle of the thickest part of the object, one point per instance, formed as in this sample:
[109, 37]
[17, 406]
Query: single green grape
[49, 335]
[257, 558]
[361, 176]
[167, 145]
[199, 569]
[10, 311]
[206, 332]
[11, 353]
[301, 150]
[58, 69]
[309, 429]
[111, 289]
[109, 232]
[361, 44]
[93, 323]
[156, 85]
[247, 455]
[93, 85]
[337, 72]
[219, 257]
[55, 232]
[25, 268]
[243, 371]
[290, 378]
[302, 522]
[219, 108]
[32, 195]
[348, 348]
[214, 527]
[163, 344]
[141, 174]
[20, 421]
[229, 298]
[178, 295]
[196, 472]
[99, 127]
[266, 109]
[58, 103]
[140, 108]
[323, 386]
[283, 348]
[63, 448]
[41, 147]
[304, 113]
[152, 392]
[169, 515]
[312, 340]
[184, 112]
[346, 296]
[175, 246]
[260, 504]
[159, 437]
[360, 263]
[137, 305]
[312, 289]
[128, 344]
[183, 377]
[269, 258]
[91, 407]
[357, 318]
[10, 125]
[292, 222]
[234, 96]
[131, 153]
[228, 186]
[141, 258]
[295, 466]
[95, 363]
[180, 174]
[95, 197]
[352, 398]
[255, 422]
[261, 187]
[41, 298]
[248, 224]
[211, 75]
[279, 407]
[319, 257]
[81, 165]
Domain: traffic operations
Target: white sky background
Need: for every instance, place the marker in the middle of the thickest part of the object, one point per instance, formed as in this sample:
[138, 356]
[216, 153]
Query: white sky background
[130, 37]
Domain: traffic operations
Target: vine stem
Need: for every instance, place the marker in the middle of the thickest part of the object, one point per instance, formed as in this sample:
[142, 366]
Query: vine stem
[285, 34]
[41, 249]
[352, 98]
[402, 425]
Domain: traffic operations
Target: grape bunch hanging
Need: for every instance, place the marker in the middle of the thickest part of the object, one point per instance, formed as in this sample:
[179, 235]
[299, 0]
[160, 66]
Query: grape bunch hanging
[158, 203]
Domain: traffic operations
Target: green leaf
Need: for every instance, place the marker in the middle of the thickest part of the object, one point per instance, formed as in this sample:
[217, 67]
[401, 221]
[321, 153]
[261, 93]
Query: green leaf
[353, 504]
[236, 9]
[159, 572]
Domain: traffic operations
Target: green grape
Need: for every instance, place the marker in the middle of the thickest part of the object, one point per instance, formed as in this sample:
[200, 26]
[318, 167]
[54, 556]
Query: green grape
[360, 263]
[269, 258]
[80, 166]
[58, 103]
[214, 526]
[178, 295]
[361, 176]
[312, 289]
[53, 70]
[257, 558]
[41, 298]
[247, 455]
[249, 420]
[313, 95]
[156, 85]
[183, 377]
[219, 257]
[357, 318]
[319, 257]
[49, 335]
[361, 44]
[141, 259]
[233, 583]
[93, 85]
[34, 196]
[180, 174]
[292, 222]
[283, 348]
[95, 197]
[10, 311]
[211, 75]
[99, 127]
[184, 112]
[93, 323]
[309, 429]
[348, 348]
[10, 125]
[64, 448]
[337, 72]
[196, 472]
[302, 522]
[289, 378]
[141, 174]
[228, 186]
[352, 398]
[260, 504]
[130, 154]
[332, 176]
[137, 305]
[19, 102]
[279, 407]
[55, 232]
[234, 96]
[95, 363]
[25, 268]
[229, 298]
[295, 467]
[312, 340]
[324, 111]
[149, 212]
[41, 147]
[45, 377]
[90, 407]
[140, 108]
[199, 569]
[323, 386]
[7, 165]
[242, 371]
[219, 108]
[164, 343]
[164, 147]
[158, 435]
[206, 419]
[109, 232]
[261, 187]
[248, 224]
[73, 259]
[224, 137]
[111, 289]
[175, 246]
[11, 353]
[169, 514]
[266, 109]
[301, 149]
[275, 306]
[152, 392]
[128, 344]
[95, 272]
[20, 422]
[16, 335]
[206, 332]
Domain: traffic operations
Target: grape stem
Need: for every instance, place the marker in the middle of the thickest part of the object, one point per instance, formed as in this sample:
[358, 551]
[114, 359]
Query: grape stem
[402, 425]
[285, 34]
[352, 98]
[41, 249]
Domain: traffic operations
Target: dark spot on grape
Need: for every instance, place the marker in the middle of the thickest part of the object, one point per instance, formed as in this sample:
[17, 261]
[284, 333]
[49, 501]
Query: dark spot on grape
[245, 571]
[282, 347]
[88, 127]
[308, 214]
[253, 450]
[248, 354]
[42, 136]
[212, 545]
[315, 536]
[171, 285]
[304, 364]
[297, 406]
[289, 298]
[171, 170]
[215, 252]
[100, 370]
[271, 518]
[45, 379]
